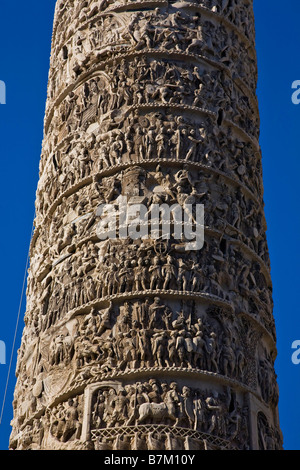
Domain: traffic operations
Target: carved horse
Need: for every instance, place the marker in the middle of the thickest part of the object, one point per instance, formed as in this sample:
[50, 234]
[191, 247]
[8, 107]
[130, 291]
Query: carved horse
[156, 412]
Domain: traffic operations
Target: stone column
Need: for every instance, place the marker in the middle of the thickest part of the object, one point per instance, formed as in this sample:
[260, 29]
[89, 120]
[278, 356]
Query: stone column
[149, 343]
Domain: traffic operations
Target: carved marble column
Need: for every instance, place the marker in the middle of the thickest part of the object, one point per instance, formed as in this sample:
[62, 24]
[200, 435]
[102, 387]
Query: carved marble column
[141, 344]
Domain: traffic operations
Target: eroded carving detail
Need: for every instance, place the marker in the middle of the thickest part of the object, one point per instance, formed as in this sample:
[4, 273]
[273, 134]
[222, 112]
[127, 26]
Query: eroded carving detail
[143, 344]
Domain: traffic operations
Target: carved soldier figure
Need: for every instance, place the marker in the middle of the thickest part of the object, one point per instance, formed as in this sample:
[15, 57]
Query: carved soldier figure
[168, 272]
[187, 407]
[182, 275]
[155, 272]
[172, 358]
[99, 410]
[199, 350]
[172, 400]
[138, 397]
[228, 358]
[159, 346]
[119, 405]
[155, 313]
[144, 347]
[72, 425]
[211, 349]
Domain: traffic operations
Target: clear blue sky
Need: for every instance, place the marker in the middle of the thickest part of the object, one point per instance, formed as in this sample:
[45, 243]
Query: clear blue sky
[25, 35]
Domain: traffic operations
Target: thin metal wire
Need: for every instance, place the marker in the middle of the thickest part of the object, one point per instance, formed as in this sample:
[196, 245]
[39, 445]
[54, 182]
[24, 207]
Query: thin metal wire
[16, 329]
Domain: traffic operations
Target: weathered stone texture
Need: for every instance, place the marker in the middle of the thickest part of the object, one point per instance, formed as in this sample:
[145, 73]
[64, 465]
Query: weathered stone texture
[140, 344]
